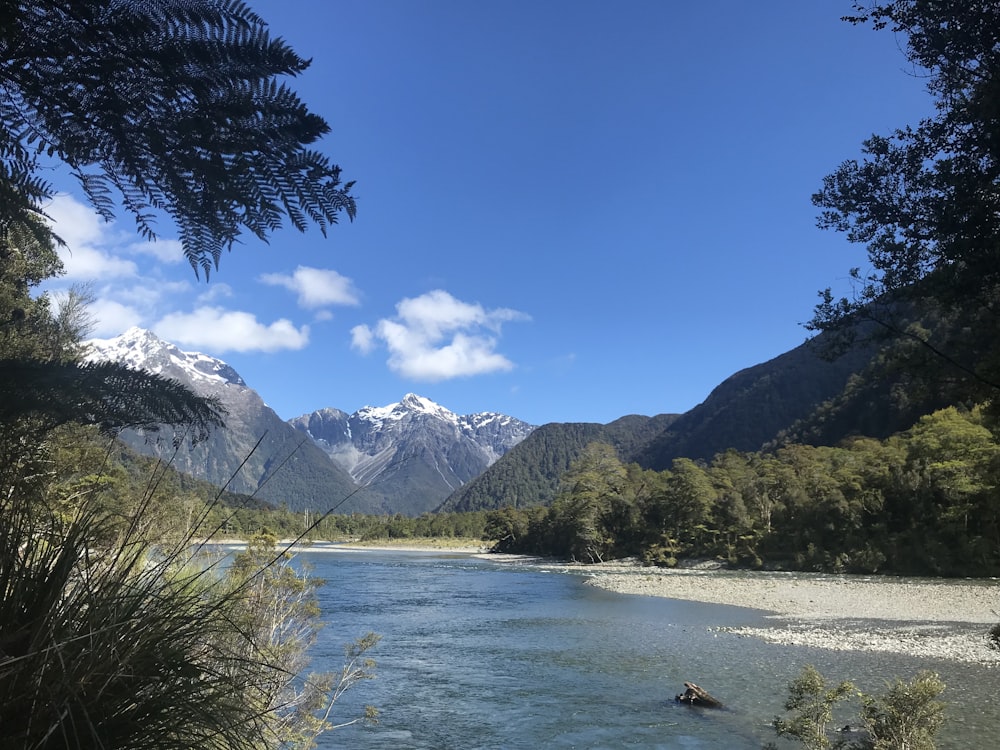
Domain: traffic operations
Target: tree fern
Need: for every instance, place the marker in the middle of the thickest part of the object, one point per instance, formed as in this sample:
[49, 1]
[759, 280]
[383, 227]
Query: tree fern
[159, 104]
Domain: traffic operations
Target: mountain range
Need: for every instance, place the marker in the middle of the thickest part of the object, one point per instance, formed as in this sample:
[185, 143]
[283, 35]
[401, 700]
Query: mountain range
[405, 458]
[413, 453]
[257, 453]
[415, 456]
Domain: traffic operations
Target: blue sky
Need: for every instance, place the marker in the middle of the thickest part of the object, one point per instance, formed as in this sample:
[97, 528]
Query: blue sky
[568, 210]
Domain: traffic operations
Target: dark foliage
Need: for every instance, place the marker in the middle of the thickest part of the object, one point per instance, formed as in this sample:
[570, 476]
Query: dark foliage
[922, 503]
[168, 106]
[108, 395]
[924, 200]
[752, 407]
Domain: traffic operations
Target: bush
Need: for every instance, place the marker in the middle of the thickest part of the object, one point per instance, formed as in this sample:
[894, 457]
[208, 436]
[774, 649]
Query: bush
[128, 645]
[811, 702]
[907, 716]
[993, 637]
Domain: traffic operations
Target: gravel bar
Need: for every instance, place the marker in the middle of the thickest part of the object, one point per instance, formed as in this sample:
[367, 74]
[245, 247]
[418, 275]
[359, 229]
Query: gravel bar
[938, 618]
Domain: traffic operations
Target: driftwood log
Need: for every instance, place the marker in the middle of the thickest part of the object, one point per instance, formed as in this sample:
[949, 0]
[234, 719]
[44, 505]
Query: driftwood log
[695, 696]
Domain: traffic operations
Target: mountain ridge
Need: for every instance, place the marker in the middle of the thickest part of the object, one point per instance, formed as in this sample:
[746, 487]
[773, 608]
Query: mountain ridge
[256, 453]
[414, 448]
[404, 457]
[751, 410]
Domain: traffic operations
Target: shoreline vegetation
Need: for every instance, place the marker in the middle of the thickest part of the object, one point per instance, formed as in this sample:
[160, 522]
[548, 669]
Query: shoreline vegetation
[934, 618]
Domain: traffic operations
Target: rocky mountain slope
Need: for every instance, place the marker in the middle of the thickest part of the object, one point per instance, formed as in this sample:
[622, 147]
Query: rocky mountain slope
[404, 458]
[788, 395]
[414, 452]
[284, 469]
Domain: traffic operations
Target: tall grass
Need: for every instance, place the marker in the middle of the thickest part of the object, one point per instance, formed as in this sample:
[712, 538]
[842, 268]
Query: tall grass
[108, 640]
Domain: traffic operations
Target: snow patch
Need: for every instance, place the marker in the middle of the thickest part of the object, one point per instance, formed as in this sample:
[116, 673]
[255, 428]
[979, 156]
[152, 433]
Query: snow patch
[141, 349]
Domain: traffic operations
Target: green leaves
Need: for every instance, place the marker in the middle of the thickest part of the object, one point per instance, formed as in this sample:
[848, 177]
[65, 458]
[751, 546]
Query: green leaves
[907, 716]
[922, 502]
[811, 701]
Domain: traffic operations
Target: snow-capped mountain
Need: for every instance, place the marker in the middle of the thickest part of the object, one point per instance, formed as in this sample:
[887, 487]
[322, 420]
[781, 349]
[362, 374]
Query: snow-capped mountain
[408, 456]
[144, 350]
[414, 452]
[308, 479]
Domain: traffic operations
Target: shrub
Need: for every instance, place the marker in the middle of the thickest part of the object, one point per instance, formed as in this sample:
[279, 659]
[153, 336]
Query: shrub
[907, 716]
[128, 645]
[811, 702]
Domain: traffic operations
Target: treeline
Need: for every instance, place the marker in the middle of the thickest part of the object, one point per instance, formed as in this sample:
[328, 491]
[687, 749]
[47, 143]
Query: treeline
[176, 506]
[395, 527]
[529, 473]
[118, 482]
[924, 502]
[236, 518]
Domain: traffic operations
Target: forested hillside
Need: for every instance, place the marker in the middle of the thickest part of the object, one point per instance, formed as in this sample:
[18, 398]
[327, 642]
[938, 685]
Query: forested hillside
[753, 406]
[747, 411]
[529, 473]
[176, 504]
[922, 503]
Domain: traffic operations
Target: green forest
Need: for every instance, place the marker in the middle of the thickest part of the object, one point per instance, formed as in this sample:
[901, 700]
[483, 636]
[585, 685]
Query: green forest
[923, 502]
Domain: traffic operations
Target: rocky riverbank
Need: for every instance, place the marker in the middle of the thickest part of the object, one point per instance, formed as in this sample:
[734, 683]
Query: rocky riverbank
[929, 617]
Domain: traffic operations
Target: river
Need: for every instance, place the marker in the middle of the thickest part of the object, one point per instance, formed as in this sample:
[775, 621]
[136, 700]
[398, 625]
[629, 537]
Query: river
[480, 654]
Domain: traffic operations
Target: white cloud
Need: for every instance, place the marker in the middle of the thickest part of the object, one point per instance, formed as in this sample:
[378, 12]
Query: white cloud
[316, 287]
[165, 251]
[89, 241]
[89, 263]
[143, 293]
[437, 337]
[217, 330]
[139, 283]
[76, 223]
[111, 318]
[215, 291]
[362, 339]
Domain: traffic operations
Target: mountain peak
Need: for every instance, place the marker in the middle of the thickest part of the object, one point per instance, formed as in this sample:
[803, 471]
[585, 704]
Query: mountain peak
[413, 402]
[141, 349]
[415, 450]
[135, 337]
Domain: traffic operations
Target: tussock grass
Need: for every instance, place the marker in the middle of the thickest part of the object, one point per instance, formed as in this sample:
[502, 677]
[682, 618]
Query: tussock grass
[108, 640]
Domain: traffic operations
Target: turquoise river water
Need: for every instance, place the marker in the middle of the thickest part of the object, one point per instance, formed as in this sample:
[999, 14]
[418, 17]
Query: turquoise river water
[480, 654]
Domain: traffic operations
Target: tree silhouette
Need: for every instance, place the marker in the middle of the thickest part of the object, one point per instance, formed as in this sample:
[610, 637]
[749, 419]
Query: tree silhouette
[166, 106]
